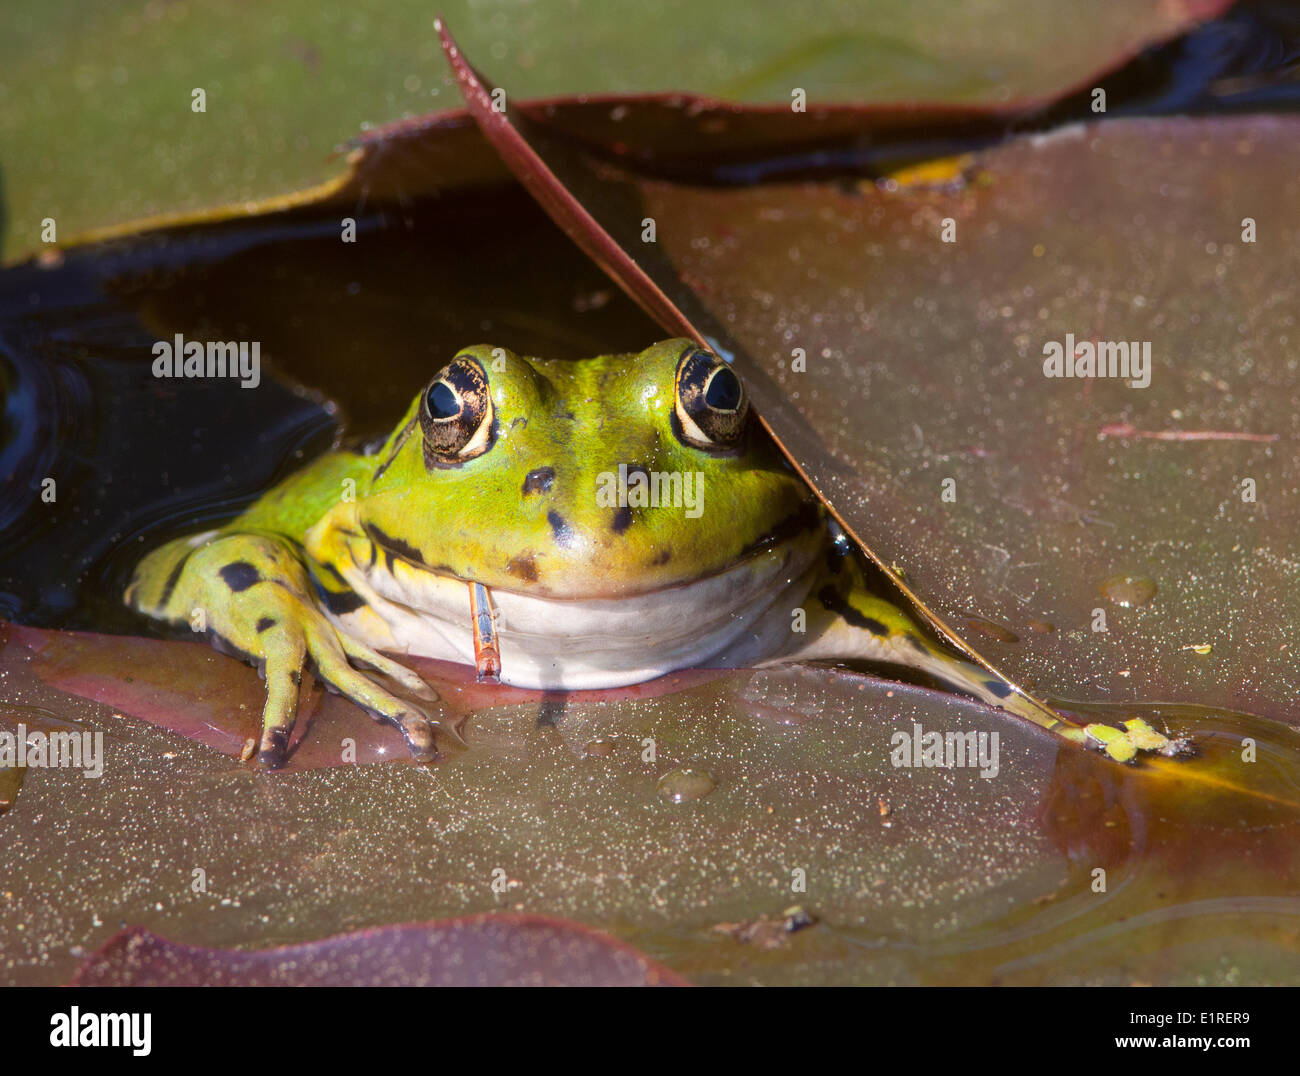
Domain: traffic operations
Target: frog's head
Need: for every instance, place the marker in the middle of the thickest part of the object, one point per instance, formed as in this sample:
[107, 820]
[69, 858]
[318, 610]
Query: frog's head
[595, 478]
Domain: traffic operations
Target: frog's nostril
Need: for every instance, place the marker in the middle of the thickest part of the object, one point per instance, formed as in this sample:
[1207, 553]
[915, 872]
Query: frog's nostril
[539, 480]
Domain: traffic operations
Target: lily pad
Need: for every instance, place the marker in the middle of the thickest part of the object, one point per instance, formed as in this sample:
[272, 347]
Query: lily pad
[284, 91]
[995, 490]
[1112, 232]
[191, 690]
[485, 950]
[680, 818]
[914, 874]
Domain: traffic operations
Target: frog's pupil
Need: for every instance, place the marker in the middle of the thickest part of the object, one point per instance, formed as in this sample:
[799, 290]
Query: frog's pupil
[723, 393]
[443, 402]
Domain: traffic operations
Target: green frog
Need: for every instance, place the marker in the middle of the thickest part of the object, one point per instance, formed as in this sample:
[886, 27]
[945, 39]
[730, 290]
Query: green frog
[560, 525]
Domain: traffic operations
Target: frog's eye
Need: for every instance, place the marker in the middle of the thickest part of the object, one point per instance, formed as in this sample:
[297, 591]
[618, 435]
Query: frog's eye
[456, 413]
[710, 407]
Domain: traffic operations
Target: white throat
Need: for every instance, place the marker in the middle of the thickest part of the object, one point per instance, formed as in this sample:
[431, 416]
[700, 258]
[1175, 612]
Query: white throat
[737, 617]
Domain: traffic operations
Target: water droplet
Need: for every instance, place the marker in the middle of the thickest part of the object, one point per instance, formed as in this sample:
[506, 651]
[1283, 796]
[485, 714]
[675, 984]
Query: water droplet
[1128, 591]
[685, 784]
[601, 747]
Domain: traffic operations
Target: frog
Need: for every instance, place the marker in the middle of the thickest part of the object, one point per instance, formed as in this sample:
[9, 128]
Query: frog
[557, 525]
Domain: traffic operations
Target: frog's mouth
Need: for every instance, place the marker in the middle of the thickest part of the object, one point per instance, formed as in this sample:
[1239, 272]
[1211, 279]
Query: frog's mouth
[736, 616]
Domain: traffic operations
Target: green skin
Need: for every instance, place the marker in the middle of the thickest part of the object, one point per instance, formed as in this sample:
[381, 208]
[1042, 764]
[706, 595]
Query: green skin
[515, 509]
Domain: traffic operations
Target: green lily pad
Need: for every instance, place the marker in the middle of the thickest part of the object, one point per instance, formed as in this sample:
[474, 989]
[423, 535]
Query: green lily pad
[96, 106]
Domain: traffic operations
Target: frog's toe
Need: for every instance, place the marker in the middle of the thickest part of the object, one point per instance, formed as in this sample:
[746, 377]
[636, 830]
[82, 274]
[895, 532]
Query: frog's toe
[1115, 743]
[283, 672]
[413, 682]
[273, 751]
[1123, 745]
[1148, 739]
[417, 728]
[1144, 737]
[420, 733]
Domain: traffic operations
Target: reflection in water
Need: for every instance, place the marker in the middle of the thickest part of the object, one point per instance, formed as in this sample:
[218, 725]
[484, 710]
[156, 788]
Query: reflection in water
[1239, 795]
[1215, 838]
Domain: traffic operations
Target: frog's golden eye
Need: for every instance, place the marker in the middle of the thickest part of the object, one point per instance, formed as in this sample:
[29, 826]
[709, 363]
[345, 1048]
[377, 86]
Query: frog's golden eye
[710, 407]
[456, 414]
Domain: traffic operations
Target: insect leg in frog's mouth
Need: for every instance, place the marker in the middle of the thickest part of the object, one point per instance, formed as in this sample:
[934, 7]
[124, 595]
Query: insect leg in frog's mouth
[487, 654]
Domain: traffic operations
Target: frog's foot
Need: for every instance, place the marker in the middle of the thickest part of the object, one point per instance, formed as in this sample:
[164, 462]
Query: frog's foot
[314, 638]
[252, 595]
[1124, 745]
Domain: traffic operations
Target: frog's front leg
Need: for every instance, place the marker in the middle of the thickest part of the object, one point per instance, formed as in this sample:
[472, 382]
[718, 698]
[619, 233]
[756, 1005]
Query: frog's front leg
[255, 597]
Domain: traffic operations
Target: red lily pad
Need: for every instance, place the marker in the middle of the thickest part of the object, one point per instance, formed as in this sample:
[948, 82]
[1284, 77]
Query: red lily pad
[914, 874]
[482, 950]
[193, 691]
